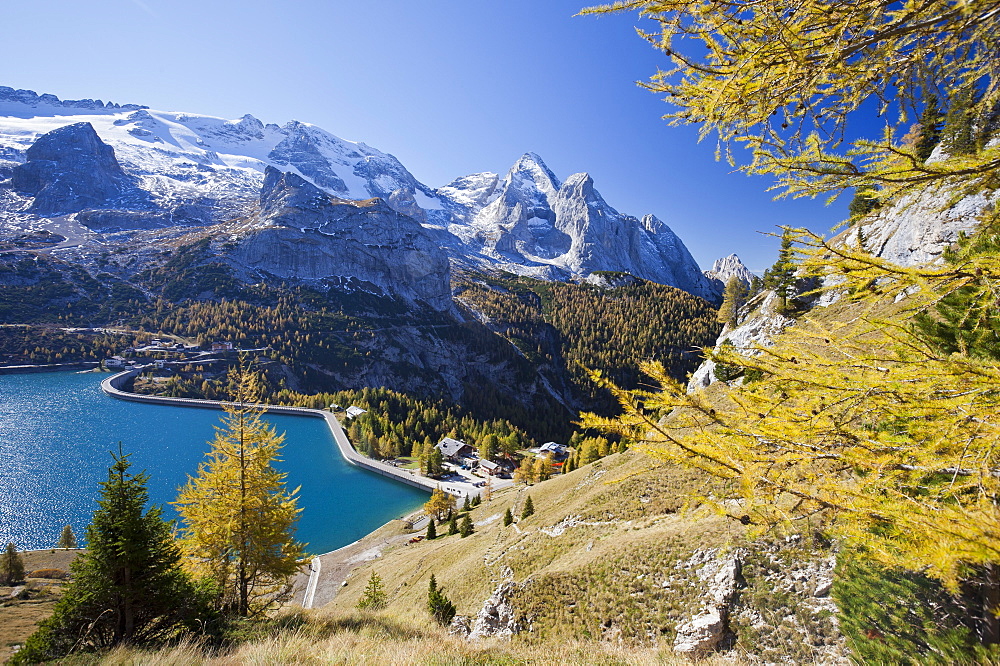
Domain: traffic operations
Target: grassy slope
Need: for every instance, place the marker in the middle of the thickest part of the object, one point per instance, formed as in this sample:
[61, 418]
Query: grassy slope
[594, 532]
[20, 616]
[592, 592]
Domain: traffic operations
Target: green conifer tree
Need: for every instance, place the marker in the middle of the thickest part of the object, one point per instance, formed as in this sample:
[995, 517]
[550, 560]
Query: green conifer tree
[529, 508]
[931, 124]
[780, 278]
[374, 597]
[894, 616]
[466, 529]
[431, 530]
[959, 134]
[441, 609]
[865, 201]
[959, 323]
[128, 586]
[508, 517]
[11, 565]
[453, 525]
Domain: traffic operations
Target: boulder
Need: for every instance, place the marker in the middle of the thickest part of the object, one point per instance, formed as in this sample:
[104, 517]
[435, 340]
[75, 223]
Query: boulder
[497, 616]
[702, 634]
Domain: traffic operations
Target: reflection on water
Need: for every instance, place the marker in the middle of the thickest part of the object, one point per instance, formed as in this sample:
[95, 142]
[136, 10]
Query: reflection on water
[57, 429]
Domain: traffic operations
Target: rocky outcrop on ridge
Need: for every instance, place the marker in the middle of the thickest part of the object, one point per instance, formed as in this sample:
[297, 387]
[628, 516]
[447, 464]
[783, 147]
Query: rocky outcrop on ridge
[757, 331]
[704, 632]
[70, 169]
[496, 619]
[916, 229]
[532, 224]
[728, 267]
[302, 233]
[32, 99]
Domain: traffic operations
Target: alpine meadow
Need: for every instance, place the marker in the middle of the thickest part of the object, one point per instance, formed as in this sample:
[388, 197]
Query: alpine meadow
[593, 450]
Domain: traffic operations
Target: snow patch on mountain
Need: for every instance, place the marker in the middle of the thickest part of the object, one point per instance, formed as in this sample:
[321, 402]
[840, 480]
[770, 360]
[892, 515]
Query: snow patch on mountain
[201, 169]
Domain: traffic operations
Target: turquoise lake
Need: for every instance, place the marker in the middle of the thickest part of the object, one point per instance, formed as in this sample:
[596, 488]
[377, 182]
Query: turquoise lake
[57, 431]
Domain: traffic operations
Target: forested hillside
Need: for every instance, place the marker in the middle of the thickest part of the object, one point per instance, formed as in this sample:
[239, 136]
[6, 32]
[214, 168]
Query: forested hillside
[576, 327]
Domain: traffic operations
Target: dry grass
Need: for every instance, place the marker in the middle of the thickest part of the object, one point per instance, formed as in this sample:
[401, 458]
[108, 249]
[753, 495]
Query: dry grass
[594, 533]
[19, 617]
[381, 639]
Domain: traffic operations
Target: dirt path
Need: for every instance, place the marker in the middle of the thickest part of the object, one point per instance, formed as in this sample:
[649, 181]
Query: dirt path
[332, 569]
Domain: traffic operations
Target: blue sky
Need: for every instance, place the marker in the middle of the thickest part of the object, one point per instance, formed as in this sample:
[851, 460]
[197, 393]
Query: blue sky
[450, 87]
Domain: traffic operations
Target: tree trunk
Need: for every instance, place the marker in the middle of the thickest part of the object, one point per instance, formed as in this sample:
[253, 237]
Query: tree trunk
[990, 632]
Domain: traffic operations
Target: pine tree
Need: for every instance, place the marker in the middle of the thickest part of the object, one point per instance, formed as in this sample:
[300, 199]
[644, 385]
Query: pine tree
[733, 298]
[431, 530]
[374, 597]
[780, 278]
[529, 508]
[435, 463]
[865, 201]
[453, 525]
[894, 616]
[128, 586]
[931, 123]
[959, 133]
[727, 372]
[958, 323]
[238, 519]
[11, 565]
[466, 529]
[67, 539]
[441, 609]
[467, 505]
[508, 517]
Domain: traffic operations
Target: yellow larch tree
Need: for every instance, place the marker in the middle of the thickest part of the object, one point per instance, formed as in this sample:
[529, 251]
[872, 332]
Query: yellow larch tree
[870, 425]
[237, 517]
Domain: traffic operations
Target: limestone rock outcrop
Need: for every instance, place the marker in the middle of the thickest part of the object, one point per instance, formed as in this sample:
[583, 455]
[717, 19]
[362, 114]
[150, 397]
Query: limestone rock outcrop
[303, 233]
[70, 169]
[497, 617]
[758, 331]
[916, 229]
[704, 632]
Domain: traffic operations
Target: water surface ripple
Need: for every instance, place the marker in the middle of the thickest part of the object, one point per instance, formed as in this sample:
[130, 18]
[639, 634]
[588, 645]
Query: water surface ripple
[57, 429]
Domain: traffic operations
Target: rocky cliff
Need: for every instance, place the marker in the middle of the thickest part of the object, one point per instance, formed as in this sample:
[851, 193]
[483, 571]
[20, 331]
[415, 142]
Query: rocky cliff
[302, 233]
[69, 169]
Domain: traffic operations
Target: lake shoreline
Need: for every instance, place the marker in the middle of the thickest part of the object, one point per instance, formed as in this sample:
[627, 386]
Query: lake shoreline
[48, 367]
[57, 428]
[112, 386]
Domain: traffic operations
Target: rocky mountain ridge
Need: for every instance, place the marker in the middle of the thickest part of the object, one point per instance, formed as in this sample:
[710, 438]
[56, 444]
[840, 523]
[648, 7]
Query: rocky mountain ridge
[174, 171]
[912, 231]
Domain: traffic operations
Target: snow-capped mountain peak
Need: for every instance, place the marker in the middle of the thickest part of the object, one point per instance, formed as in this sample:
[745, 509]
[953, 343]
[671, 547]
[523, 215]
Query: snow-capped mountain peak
[185, 168]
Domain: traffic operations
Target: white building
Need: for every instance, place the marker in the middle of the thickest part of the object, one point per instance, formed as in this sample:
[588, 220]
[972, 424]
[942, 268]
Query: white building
[114, 362]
